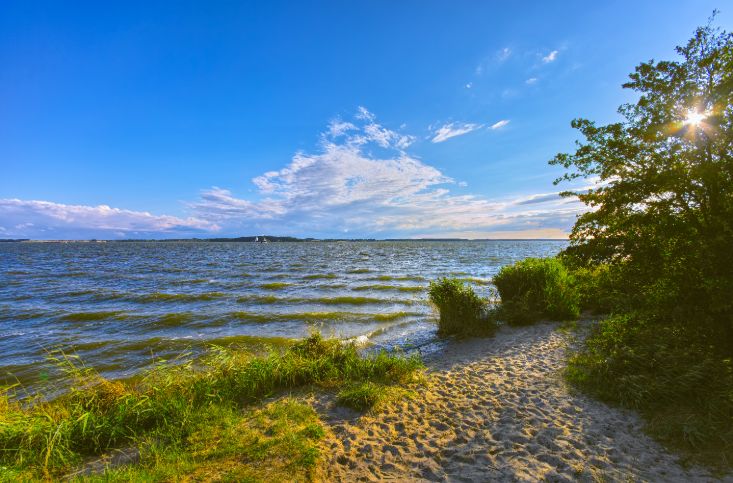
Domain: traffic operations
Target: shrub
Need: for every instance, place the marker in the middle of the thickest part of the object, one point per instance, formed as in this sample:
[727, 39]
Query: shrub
[668, 373]
[535, 288]
[462, 312]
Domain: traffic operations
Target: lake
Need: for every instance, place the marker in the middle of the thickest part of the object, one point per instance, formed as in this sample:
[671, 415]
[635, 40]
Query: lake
[120, 306]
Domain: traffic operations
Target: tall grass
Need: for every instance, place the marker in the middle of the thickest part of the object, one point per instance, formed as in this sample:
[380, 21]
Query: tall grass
[669, 373]
[96, 414]
[537, 288]
[461, 311]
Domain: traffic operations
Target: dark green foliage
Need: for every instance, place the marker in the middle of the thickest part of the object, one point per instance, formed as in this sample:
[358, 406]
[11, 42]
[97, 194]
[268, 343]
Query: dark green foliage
[462, 312]
[97, 414]
[668, 373]
[657, 248]
[535, 288]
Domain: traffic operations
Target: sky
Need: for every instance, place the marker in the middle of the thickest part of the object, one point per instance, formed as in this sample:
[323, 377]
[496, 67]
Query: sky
[371, 119]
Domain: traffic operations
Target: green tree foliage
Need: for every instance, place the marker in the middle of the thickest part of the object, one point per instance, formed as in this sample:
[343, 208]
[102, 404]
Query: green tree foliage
[662, 197]
[656, 248]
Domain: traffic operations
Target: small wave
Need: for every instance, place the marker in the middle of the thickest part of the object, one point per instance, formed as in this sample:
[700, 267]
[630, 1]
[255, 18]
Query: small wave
[360, 270]
[387, 278]
[260, 299]
[345, 300]
[275, 285]
[91, 316]
[17, 272]
[398, 288]
[316, 276]
[175, 319]
[179, 297]
[476, 280]
[393, 316]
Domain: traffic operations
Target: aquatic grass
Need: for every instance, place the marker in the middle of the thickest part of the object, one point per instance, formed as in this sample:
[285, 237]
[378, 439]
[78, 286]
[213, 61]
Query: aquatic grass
[393, 316]
[172, 402]
[388, 278]
[359, 270]
[275, 285]
[92, 316]
[260, 299]
[383, 287]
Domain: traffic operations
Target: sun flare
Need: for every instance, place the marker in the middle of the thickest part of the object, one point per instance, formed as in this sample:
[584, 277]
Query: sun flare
[694, 118]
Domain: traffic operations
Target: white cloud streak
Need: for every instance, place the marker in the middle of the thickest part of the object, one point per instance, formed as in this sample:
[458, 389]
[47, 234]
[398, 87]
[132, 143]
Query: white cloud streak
[452, 130]
[499, 125]
[46, 219]
[550, 57]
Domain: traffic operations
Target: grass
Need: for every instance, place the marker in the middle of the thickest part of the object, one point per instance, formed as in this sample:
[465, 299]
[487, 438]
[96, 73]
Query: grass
[670, 375]
[367, 395]
[461, 311]
[537, 288]
[174, 413]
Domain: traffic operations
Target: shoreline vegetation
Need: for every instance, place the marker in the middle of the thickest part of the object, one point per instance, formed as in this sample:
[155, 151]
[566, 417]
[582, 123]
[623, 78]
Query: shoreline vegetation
[198, 415]
[651, 262]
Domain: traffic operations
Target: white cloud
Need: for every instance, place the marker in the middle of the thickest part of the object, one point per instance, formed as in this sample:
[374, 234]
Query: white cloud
[469, 85]
[344, 187]
[360, 180]
[531, 80]
[47, 219]
[452, 130]
[550, 57]
[504, 54]
[499, 125]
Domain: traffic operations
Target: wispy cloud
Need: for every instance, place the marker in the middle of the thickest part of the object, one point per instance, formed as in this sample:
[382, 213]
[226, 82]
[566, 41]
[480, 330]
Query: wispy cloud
[343, 187]
[499, 124]
[531, 80]
[452, 130]
[45, 219]
[360, 179]
[550, 57]
[504, 54]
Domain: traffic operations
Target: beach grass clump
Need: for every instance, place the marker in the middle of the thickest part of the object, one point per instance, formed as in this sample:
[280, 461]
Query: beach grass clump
[461, 311]
[45, 438]
[669, 373]
[536, 288]
[364, 395]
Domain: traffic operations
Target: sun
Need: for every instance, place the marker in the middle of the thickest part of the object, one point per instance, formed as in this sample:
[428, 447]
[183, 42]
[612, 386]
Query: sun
[694, 118]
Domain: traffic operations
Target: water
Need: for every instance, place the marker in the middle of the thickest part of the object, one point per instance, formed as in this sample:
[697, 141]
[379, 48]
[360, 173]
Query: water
[119, 306]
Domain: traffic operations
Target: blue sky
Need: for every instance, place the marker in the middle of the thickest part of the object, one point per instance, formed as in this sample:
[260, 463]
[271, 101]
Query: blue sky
[346, 119]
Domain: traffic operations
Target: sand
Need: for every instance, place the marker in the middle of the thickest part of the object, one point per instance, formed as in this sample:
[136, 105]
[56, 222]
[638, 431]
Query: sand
[498, 410]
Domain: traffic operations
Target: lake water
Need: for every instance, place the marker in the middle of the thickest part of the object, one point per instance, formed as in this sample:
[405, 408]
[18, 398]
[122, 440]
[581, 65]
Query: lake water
[119, 306]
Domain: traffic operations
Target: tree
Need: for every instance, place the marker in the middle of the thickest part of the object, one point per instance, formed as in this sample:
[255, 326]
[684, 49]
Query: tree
[661, 206]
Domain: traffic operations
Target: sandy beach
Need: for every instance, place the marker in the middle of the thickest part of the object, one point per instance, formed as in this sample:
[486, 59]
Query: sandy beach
[498, 409]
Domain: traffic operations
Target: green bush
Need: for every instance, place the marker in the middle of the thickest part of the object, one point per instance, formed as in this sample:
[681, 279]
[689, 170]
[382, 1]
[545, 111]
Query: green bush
[667, 372]
[462, 312]
[537, 288]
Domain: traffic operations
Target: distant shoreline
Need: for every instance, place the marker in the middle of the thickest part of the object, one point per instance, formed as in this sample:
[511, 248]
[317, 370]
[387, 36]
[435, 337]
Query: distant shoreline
[275, 239]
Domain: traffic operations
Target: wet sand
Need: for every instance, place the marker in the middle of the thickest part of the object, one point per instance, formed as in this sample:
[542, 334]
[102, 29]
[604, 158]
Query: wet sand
[498, 410]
